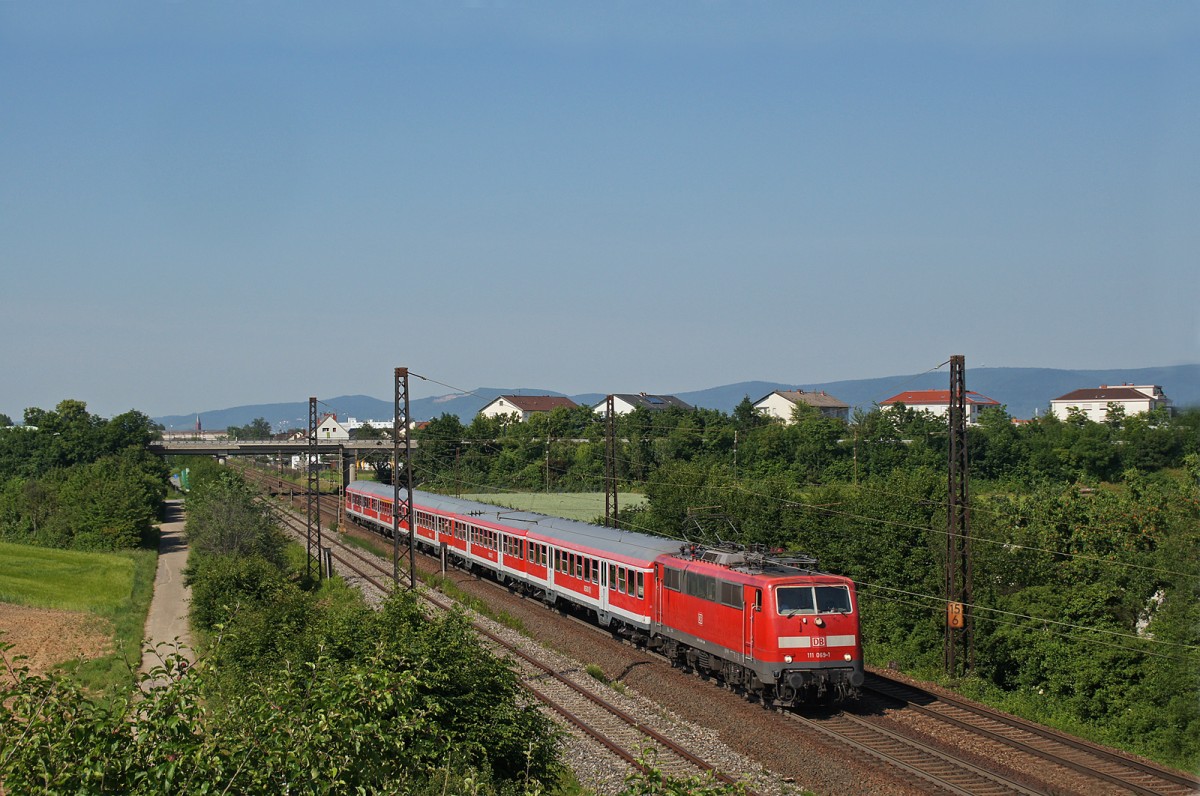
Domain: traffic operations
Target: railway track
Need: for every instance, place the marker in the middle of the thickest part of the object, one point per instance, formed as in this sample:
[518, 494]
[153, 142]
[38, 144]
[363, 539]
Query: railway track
[927, 765]
[1011, 755]
[1035, 741]
[573, 695]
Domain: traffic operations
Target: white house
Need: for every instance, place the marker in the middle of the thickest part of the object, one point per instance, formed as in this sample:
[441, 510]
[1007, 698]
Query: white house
[624, 403]
[1094, 403]
[937, 402]
[781, 403]
[525, 405]
[330, 428]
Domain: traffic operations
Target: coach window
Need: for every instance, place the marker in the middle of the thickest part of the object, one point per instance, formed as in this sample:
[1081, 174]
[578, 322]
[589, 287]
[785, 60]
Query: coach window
[641, 580]
[579, 567]
[596, 571]
[612, 577]
[620, 578]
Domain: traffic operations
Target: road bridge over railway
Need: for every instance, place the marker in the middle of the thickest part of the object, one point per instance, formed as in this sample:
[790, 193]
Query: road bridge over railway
[348, 451]
[233, 447]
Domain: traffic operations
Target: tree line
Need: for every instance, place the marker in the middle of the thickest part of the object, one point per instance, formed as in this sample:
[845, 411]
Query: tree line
[72, 479]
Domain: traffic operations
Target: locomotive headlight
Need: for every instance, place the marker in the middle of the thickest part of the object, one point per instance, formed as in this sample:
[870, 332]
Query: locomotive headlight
[846, 656]
[787, 658]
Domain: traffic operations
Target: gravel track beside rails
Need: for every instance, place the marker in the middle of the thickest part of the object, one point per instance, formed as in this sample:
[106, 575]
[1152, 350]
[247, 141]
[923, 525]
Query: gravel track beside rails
[1035, 746]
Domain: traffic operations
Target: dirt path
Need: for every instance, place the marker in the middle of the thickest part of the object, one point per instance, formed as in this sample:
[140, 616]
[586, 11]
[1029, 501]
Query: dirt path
[167, 622]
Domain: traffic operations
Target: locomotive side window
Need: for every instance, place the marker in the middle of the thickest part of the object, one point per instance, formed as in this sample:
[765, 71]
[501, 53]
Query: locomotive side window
[672, 579]
[702, 586]
[731, 594]
[833, 600]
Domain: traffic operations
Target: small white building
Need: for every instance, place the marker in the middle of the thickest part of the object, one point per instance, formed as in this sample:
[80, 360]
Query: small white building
[522, 406]
[780, 404]
[937, 402]
[1135, 399]
[624, 403]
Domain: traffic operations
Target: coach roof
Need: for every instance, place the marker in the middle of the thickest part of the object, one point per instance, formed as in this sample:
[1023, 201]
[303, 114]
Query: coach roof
[624, 544]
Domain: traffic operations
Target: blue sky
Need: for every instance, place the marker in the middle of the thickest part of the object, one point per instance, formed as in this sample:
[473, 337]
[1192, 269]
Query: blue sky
[204, 205]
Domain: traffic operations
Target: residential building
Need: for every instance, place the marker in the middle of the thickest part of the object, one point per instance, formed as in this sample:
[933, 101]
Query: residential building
[525, 405]
[330, 428]
[624, 403]
[1135, 399]
[782, 403]
[937, 402]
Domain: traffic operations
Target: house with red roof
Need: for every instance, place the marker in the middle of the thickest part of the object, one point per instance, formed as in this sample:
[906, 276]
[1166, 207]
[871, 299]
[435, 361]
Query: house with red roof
[525, 405]
[1094, 403]
[937, 402]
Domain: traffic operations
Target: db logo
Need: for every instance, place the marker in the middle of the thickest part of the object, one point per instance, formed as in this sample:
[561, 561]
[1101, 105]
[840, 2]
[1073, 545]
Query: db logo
[699, 619]
[818, 641]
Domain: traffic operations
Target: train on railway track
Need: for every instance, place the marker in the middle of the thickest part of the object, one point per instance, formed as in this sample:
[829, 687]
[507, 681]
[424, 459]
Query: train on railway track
[768, 624]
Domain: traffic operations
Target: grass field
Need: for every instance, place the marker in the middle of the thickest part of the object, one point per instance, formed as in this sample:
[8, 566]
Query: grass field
[114, 586]
[98, 583]
[586, 506]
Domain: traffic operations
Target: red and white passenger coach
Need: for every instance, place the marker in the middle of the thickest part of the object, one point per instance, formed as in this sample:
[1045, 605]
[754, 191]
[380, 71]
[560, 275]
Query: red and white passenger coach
[771, 625]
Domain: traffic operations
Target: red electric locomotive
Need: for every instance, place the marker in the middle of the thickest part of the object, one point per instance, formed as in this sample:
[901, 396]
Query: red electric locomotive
[771, 625]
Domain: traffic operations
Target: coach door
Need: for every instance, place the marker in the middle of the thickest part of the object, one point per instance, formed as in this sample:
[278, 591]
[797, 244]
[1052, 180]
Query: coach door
[603, 595]
[657, 596]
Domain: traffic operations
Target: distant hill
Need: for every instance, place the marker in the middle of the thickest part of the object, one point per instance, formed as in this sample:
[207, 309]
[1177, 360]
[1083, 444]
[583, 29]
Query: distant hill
[1024, 391]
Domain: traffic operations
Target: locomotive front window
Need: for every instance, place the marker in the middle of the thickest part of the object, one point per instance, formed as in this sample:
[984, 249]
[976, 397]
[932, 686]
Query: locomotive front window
[833, 600]
[795, 600]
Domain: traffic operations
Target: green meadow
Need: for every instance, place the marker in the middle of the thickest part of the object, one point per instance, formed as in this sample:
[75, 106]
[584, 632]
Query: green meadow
[42, 577]
[113, 586]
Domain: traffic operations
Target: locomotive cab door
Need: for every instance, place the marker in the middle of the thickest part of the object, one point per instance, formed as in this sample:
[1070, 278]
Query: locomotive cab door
[752, 605]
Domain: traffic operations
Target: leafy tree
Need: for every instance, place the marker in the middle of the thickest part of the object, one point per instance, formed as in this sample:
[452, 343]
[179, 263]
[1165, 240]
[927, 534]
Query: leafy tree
[258, 428]
[746, 417]
[224, 520]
